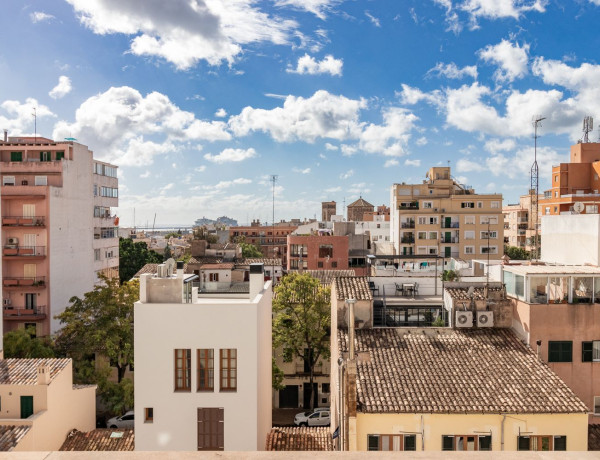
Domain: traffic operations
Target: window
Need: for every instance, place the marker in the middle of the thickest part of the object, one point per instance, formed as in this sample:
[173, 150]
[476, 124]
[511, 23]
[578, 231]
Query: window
[391, 442]
[60, 155]
[489, 235]
[206, 369]
[547, 210]
[183, 364]
[95, 190]
[427, 204]
[556, 178]
[469, 234]
[428, 220]
[96, 254]
[325, 250]
[560, 352]
[45, 156]
[596, 405]
[213, 277]
[432, 250]
[490, 250]
[590, 351]
[228, 369]
[466, 442]
[319, 264]
[325, 388]
[469, 249]
[421, 235]
[41, 180]
[543, 443]
[467, 204]
[16, 156]
[479, 204]
[8, 180]
[492, 220]
[470, 220]
[495, 204]
[433, 235]
[111, 192]
[148, 415]
[555, 209]
[333, 264]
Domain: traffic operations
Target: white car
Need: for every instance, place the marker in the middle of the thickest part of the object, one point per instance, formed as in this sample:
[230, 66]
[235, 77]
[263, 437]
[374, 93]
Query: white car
[318, 417]
[124, 421]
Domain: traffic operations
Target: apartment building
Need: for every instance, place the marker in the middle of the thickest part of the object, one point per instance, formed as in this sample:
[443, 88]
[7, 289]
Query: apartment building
[59, 228]
[328, 209]
[441, 216]
[202, 364]
[519, 227]
[381, 213]
[575, 182]
[317, 252]
[270, 239]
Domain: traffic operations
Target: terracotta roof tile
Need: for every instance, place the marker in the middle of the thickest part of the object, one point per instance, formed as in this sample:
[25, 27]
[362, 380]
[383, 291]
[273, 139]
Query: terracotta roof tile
[447, 371]
[152, 269]
[299, 439]
[265, 261]
[327, 276]
[462, 293]
[104, 439]
[10, 435]
[205, 260]
[353, 287]
[221, 266]
[360, 202]
[21, 371]
[593, 437]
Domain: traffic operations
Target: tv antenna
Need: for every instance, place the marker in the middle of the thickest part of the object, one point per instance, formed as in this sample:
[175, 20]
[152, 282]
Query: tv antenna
[534, 189]
[34, 115]
[588, 127]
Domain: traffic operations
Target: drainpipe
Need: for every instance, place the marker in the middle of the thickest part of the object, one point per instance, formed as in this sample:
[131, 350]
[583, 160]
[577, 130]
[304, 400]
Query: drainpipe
[341, 402]
[502, 432]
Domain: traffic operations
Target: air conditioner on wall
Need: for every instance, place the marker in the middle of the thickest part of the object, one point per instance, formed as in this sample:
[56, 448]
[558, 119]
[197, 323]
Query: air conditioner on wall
[464, 319]
[485, 318]
[13, 240]
[6, 302]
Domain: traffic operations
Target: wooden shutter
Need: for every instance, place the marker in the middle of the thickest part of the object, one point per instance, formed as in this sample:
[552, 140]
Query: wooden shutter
[211, 428]
[29, 210]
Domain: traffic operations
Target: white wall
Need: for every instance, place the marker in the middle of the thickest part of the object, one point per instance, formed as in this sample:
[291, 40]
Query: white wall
[571, 239]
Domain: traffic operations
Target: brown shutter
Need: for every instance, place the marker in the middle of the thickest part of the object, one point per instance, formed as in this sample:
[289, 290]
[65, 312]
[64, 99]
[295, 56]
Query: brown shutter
[220, 413]
[211, 428]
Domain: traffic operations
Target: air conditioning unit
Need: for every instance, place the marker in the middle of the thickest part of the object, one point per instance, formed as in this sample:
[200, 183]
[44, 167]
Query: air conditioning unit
[443, 210]
[6, 302]
[464, 319]
[485, 318]
[13, 240]
[435, 209]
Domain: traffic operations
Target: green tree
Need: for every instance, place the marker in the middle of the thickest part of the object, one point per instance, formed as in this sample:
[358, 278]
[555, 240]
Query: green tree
[133, 256]
[168, 253]
[100, 324]
[450, 275]
[250, 251]
[302, 318]
[201, 233]
[21, 344]
[516, 253]
[277, 376]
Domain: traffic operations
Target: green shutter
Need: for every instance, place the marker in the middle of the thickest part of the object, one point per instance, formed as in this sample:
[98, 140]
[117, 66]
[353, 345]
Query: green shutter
[16, 156]
[587, 352]
[26, 406]
[60, 155]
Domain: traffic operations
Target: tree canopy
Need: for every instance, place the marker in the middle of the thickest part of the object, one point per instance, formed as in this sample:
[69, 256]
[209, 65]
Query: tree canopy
[302, 318]
[21, 344]
[250, 250]
[133, 256]
[516, 253]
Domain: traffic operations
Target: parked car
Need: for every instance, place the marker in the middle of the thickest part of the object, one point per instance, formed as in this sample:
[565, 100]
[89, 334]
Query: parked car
[124, 421]
[317, 417]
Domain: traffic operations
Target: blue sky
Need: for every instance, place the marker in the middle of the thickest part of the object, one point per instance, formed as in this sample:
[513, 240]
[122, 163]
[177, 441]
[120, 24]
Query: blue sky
[199, 101]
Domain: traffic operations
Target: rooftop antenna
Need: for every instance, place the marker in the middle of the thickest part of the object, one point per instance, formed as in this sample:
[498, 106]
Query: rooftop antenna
[34, 115]
[344, 209]
[534, 189]
[273, 179]
[588, 126]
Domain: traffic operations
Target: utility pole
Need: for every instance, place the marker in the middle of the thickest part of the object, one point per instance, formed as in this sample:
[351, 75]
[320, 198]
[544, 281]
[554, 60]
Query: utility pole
[534, 190]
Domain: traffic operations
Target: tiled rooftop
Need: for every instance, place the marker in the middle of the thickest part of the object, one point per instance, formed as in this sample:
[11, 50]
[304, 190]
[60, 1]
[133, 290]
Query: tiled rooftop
[205, 260]
[10, 435]
[221, 266]
[267, 262]
[99, 440]
[462, 293]
[353, 287]
[593, 436]
[299, 438]
[327, 276]
[152, 269]
[447, 371]
[24, 371]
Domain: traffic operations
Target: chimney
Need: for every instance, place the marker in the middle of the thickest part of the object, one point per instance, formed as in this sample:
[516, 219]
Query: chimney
[350, 303]
[180, 269]
[43, 374]
[257, 280]
[6, 135]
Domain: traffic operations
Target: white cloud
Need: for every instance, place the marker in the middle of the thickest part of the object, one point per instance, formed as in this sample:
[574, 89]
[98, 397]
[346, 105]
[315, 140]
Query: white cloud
[231, 155]
[309, 65]
[62, 88]
[411, 96]
[359, 189]
[40, 16]
[511, 58]
[221, 113]
[317, 7]
[499, 145]
[348, 150]
[391, 162]
[200, 168]
[19, 117]
[373, 19]
[186, 32]
[465, 165]
[347, 174]
[333, 189]
[391, 137]
[329, 146]
[421, 141]
[415, 163]
[451, 70]
[145, 175]
[227, 183]
[164, 189]
[113, 123]
[301, 171]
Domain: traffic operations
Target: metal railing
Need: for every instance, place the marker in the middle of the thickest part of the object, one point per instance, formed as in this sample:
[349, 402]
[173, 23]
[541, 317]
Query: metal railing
[38, 310]
[23, 221]
[452, 239]
[407, 239]
[24, 251]
[450, 224]
[25, 281]
[408, 224]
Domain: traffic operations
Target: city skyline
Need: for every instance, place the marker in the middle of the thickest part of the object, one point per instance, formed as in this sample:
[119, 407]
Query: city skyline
[199, 103]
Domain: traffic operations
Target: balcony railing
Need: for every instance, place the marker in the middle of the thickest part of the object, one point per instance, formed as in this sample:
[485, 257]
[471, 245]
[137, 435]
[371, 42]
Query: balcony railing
[414, 205]
[22, 221]
[522, 226]
[24, 251]
[407, 240]
[35, 281]
[408, 224]
[452, 239]
[21, 313]
[450, 224]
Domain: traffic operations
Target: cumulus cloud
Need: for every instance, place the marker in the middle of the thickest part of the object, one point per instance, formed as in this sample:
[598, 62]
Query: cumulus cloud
[40, 16]
[184, 32]
[231, 155]
[301, 171]
[201, 168]
[511, 59]
[224, 184]
[221, 113]
[409, 95]
[347, 174]
[391, 137]
[19, 119]
[329, 146]
[116, 121]
[499, 145]
[415, 163]
[309, 65]
[451, 70]
[62, 88]
[317, 7]
[391, 162]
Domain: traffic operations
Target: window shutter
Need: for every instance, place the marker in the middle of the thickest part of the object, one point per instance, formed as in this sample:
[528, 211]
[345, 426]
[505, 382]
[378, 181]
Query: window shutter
[587, 352]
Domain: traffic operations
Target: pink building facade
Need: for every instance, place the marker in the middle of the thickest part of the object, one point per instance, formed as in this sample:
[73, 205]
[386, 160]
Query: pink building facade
[58, 228]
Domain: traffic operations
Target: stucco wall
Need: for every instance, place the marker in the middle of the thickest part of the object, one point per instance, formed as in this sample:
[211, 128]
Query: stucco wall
[571, 239]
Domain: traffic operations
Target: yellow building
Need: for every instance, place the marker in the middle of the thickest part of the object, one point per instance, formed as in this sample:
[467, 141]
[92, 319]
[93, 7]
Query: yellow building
[441, 389]
[519, 228]
[441, 216]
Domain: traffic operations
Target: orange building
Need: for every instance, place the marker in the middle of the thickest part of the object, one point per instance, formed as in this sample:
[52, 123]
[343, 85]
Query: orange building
[272, 241]
[323, 252]
[575, 182]
[382, 210]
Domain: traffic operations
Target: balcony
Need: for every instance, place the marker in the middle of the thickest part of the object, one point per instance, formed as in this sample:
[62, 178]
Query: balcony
[24, 251]
[36, 313]
[410, 224]
[24, 282]
[404, 206]
[523, 226]
[22, 221]
[451, 239]
[407, 240]
[450, 224]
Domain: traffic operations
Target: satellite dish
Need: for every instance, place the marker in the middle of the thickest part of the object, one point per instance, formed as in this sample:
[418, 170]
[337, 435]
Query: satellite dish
[578, 207]
[170, 265]
[470, 291]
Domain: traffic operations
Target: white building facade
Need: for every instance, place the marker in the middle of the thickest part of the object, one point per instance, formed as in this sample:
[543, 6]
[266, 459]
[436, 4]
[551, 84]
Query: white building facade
[203, 365]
